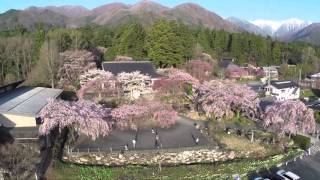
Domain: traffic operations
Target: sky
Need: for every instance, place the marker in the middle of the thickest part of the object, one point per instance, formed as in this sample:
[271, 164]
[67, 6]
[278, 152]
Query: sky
[276, 10]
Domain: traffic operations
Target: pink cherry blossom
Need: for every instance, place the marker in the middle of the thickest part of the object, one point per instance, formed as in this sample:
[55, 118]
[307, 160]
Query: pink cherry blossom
[199, 69]
[75, 63]
[289, 117]
[86, 117]
[222, 99]
[144, 114]
[98, 81]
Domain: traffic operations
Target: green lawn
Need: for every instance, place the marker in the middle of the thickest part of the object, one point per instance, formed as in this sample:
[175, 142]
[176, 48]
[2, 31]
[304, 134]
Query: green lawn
[307, 93]
[201, 171]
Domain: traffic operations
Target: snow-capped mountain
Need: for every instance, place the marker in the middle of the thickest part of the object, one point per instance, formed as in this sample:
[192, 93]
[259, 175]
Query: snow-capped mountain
[270, 27]
[247, 26]
[291, 26]
[310, 34]
[281, 28]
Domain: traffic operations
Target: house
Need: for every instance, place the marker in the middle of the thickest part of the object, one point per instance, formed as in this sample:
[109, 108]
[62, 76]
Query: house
[283, 90]
[311, 81]
[270, 72]
[144, 67]
[236, 72]
[19, 107]
[226, 62]
[233, 71]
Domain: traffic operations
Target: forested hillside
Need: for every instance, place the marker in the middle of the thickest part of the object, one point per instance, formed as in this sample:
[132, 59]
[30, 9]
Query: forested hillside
[165, 43]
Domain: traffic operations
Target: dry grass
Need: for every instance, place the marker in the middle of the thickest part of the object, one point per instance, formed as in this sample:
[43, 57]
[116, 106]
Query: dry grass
[195, 115]
[242, 144]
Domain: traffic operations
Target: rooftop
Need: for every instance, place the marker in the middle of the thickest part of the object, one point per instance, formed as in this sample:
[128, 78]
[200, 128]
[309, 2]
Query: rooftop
[283, 84]
[26, 101]
[226, 62]
[116, 67]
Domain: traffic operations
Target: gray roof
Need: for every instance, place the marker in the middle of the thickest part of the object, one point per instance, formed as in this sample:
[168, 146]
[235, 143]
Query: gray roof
[225, 63]
[26, 101]
[116, 67]
[283, 84]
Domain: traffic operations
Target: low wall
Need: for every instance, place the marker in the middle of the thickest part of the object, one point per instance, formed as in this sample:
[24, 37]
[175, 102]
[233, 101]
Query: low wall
[153, 157]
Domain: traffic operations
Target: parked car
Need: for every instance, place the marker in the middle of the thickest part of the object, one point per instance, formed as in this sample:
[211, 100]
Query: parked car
[287, 175]
[314, 104]
[261, 178]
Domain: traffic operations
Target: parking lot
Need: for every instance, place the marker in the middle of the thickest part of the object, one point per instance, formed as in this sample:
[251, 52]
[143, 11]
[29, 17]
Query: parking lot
[306, 168]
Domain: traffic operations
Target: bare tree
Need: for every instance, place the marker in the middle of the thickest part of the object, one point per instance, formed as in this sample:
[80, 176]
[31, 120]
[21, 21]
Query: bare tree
[16, 58]
[48, 64]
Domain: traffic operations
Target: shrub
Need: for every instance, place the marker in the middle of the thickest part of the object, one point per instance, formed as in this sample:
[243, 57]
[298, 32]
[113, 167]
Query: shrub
[19, 160]
[317, 116]
[302, 141]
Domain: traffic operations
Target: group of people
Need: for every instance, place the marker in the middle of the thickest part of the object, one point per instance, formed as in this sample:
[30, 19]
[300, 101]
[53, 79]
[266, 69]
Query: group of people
[134, 143]
[157, 142]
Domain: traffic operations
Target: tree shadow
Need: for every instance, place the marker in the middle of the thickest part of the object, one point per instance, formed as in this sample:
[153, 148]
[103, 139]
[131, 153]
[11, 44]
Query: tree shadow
[5, 136]
[270, 173]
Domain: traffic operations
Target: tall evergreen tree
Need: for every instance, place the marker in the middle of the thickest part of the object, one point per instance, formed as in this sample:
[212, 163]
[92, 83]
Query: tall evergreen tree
[187, 39]
[129, 41]
[276, 53]
[236, 49]
[163, 45]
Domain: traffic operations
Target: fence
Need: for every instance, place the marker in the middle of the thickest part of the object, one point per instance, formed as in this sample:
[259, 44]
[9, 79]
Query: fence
[81, 151]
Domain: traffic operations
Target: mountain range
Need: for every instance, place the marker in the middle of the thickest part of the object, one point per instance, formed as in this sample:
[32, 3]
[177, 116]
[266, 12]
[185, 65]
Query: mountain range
[147, 12]
[114, 14]
[281, 28]
[287, 31]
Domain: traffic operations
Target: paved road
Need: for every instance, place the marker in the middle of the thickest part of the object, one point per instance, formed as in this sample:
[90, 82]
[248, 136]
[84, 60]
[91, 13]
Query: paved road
[179, 135]
[307, 168]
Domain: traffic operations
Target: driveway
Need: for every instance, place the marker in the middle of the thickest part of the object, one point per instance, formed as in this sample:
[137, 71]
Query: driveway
[182, 134]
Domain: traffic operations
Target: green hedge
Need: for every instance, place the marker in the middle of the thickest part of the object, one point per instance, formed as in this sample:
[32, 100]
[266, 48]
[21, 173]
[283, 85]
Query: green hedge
[302, 141]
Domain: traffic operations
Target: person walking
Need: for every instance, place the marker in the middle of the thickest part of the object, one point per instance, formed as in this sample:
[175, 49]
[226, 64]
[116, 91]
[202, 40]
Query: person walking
[197, 141]
[157, 142]
[134, 143]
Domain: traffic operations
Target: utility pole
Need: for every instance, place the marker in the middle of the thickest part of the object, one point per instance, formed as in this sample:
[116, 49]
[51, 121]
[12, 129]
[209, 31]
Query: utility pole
[300, 76]
[269, 76]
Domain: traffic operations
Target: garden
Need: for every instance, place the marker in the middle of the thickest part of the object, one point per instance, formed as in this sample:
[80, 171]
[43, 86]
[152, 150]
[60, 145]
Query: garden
[106, 102]
[231, 110]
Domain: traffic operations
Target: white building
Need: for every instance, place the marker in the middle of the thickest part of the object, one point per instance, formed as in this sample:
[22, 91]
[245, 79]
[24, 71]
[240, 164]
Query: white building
[283, 90]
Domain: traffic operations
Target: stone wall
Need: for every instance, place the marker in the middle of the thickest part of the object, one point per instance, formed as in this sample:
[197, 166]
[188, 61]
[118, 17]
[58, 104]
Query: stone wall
[153, 157]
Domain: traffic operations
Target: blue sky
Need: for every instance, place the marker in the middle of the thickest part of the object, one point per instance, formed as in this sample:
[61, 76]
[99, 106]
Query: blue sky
[245, 9]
